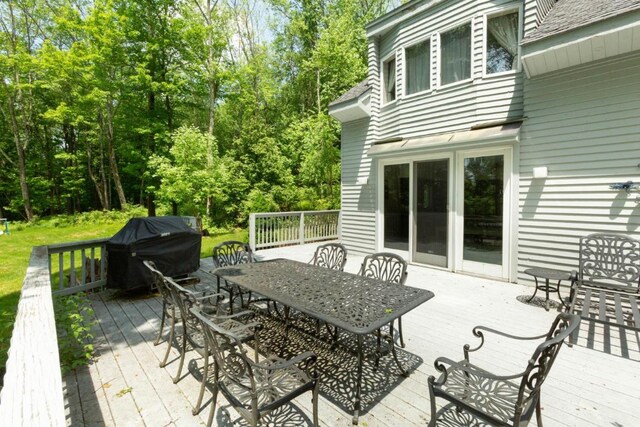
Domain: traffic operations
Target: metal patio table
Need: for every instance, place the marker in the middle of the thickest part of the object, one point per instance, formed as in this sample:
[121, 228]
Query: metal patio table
[353, 303]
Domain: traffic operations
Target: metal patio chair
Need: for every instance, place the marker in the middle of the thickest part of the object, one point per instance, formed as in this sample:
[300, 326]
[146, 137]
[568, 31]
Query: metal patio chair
[168, 305]
[500, 400]
[232, 252]
[254, 388]
[330, 255]
[606, 287]
[390, 268]
[180, 301]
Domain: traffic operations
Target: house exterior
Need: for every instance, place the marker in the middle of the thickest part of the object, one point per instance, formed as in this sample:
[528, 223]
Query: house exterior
[487, 135]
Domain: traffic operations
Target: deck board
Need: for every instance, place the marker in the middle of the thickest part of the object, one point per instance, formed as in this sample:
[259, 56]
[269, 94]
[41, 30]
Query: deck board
[594, 383]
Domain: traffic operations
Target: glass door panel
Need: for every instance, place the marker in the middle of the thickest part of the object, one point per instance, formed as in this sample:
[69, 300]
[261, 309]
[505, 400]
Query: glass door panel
[396, 207]
[431, 214]
[483, 212]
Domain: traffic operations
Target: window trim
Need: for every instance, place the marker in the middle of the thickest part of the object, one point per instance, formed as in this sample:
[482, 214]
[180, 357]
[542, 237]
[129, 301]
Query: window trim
[406, 95]
[471, 22]
[383, 91]
[505, 10]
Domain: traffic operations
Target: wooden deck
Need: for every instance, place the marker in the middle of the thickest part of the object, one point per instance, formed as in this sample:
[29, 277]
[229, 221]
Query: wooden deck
[594, 383]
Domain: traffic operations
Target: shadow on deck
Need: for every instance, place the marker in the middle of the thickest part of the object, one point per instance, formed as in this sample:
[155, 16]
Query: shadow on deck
[587, 386]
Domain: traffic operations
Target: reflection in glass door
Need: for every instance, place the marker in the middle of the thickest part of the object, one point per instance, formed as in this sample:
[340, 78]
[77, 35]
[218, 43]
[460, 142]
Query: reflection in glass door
[483, 214]
[396, 207]
[431, 212]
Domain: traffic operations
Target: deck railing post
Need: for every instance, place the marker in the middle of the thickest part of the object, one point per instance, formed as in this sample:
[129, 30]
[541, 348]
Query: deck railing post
[252, 231]
[301, 232]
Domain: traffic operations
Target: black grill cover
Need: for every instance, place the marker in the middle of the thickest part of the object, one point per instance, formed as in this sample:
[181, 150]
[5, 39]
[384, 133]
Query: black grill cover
[165, 240]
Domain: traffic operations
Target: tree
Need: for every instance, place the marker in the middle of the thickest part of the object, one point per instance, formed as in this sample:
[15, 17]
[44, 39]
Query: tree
[185, 175]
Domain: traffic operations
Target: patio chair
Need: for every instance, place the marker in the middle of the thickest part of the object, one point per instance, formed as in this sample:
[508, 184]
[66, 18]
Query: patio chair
[606, 287]
[387, 267]
[181, 300]
[228, 253]
[168, 306]
[500, 400]
[254, 388]
[330, 255]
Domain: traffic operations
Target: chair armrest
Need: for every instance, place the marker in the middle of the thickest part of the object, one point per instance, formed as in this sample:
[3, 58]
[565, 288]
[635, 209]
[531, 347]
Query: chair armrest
[478, 331]
[465, 366]
[248, 313]
[306, 360]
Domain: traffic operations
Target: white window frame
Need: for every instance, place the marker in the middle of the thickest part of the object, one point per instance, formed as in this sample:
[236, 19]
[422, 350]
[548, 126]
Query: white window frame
[404, 68]
[383, 82]
[471, 22]
[492, 14]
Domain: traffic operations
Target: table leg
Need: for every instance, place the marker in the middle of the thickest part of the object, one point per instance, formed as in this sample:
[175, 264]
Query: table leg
[536, 291]
[392, 343]
[356, 404]
[546, 293]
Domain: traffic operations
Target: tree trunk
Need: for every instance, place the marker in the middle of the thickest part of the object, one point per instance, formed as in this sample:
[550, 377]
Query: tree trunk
[22, 169]
[100, 187]
[113, 164]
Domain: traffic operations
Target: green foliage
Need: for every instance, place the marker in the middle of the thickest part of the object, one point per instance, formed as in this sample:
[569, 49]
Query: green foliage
[191, 173]
[122, 102]
[74, 323]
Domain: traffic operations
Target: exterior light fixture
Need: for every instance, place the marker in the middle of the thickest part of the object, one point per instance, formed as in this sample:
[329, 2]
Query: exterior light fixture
[540, 172]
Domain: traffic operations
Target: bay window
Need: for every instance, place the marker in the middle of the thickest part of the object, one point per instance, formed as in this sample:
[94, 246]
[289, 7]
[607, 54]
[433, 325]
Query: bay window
[502, 39]
[455, 54]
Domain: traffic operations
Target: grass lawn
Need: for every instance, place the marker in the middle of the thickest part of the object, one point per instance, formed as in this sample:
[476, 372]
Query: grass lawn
[15, 250]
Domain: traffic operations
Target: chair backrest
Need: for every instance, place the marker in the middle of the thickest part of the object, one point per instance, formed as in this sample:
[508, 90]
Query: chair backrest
[159, 282]
[331, 255]
[610, 260]
[232, 252]
[385, 266]
[545, 354]
[230, 356]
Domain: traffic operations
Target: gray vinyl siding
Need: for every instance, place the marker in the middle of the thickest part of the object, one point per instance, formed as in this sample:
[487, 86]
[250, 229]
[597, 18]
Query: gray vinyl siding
[584, 125]
[450, 108]
[358, 201]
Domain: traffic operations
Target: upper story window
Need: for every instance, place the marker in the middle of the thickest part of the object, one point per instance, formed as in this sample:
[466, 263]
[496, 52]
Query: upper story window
[418, 60]
[501, 48]
[455, 54]
[389, 79]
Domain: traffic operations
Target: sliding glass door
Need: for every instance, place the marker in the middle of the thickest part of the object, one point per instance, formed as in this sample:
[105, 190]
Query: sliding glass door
[484, 202]
[431, 212]
[449, 210]
[396, 207]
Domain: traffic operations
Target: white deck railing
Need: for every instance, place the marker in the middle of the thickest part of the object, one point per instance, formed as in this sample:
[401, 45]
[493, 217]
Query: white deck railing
[271, 229]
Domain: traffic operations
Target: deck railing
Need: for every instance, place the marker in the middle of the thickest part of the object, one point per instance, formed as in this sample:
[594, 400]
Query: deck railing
[271, 229]
[78, 266]
[32, 392]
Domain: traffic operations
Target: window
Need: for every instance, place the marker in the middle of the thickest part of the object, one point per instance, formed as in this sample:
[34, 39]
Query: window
[418, 58]
[455, 54]
[389, 79]
[502, 43]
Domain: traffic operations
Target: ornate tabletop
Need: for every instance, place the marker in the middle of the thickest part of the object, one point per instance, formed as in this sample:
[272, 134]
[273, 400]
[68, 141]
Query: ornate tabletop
[354, 303]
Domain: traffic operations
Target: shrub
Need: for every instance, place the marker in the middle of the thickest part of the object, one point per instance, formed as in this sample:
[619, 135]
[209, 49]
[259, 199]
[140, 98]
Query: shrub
[74, 322]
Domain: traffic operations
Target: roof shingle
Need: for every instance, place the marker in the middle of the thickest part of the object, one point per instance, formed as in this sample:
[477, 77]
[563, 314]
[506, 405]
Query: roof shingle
[352, 93]
[569, 15]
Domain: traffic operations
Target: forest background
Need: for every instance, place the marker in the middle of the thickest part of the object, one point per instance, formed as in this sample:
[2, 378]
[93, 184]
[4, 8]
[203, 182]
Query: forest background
[211, 108]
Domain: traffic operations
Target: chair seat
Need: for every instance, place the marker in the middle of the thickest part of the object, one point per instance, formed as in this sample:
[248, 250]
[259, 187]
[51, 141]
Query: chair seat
[469, 384]
[271, 386]
[196, 336]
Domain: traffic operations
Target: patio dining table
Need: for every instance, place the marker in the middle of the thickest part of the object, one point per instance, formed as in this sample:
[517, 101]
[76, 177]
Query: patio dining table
[356, 304]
